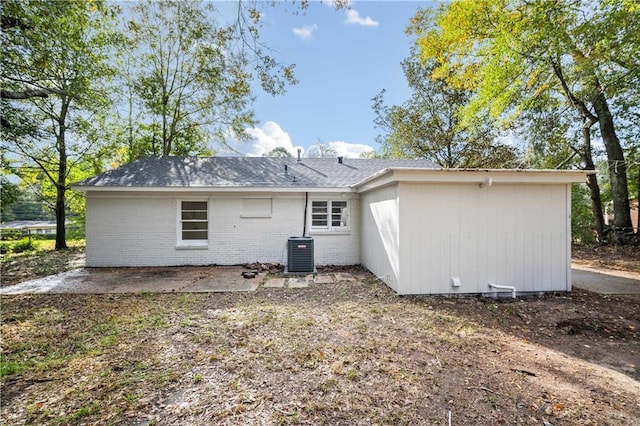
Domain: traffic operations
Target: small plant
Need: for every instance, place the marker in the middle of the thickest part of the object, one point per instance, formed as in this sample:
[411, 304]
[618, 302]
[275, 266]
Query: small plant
[85, 411]
[197, 378]
[132, 397]
[82, 412]
[8, 368]
[352, 374]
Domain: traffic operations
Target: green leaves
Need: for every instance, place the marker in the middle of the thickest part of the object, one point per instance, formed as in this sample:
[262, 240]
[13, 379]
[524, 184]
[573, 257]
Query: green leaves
[518, 55]
[61, 50]
[187, 81]
[429, 124]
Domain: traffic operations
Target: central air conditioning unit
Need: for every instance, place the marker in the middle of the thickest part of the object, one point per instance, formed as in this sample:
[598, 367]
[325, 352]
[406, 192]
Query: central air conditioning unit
[300, 254]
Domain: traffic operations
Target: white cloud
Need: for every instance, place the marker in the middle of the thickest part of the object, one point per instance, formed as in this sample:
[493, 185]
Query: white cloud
[349, 150]
[305, 32]
[353, 17]
[346, 149]
[270, 135]
[264, 139]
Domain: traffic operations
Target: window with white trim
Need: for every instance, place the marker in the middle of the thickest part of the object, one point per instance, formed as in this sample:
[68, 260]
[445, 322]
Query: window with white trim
[194, 222]
[330, 215]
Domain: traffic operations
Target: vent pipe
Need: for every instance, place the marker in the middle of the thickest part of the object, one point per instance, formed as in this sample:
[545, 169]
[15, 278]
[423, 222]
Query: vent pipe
[299, 153]
[286, 169]
[340, 160]
[504, 287]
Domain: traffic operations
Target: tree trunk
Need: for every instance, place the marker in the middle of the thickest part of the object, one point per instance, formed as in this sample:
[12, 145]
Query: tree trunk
[592, 182]
[61, 231]
[622, 230]
[61, 183]
[588, 120]
[638, 211]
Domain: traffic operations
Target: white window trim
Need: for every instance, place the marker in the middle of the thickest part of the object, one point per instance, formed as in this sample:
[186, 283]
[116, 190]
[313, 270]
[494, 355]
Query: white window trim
[191, 244]
[329, 229]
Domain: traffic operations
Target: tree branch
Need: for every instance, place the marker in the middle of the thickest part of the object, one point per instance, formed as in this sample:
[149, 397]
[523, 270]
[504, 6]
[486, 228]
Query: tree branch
[25, 94]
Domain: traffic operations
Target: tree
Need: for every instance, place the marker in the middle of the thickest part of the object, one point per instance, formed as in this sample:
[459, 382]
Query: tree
[279, 151]
[373, 154]
[9, 191]
[13, 18]
[428, 124]
[560, 140]
[62, 48]
[511, 52]
[321, 150]
[192, 76]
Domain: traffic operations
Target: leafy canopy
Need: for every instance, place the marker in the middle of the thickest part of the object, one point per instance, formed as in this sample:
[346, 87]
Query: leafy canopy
[428, 124]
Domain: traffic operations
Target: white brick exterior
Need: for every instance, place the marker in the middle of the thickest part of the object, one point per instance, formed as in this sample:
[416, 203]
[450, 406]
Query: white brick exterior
[142, 229]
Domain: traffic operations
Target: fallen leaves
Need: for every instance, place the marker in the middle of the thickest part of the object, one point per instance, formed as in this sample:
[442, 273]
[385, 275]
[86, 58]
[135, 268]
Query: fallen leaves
[350, 352]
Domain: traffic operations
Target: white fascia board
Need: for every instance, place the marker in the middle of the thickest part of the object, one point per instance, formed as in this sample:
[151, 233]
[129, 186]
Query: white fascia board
[190, 189]
[479, 176]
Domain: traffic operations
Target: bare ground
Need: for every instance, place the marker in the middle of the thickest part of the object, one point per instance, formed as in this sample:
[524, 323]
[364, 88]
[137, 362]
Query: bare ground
[31, 265]
[615, 258]
[351, 352]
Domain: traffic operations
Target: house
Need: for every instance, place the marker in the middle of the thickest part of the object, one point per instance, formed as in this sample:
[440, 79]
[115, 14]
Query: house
[30, 227]
[420, 229]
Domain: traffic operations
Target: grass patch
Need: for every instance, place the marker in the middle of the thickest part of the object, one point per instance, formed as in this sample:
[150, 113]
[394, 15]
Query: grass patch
[10, 367]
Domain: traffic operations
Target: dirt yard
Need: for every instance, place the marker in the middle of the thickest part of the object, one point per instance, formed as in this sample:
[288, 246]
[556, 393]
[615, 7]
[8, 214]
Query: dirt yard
[624, 259]
[351, 352]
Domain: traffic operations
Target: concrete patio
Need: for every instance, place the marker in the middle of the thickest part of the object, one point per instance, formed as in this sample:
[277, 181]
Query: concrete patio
[187, 279]
[215, 279]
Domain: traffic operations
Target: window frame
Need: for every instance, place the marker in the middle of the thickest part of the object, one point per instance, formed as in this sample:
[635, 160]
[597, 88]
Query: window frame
[329, 228]
[192, 243]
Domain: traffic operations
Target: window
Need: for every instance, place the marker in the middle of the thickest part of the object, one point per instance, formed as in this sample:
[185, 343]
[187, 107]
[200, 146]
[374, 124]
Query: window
[194, 224]
[330, 215]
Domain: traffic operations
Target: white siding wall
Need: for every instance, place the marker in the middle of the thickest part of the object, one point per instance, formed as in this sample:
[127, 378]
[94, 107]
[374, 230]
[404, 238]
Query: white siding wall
[141, 230]
[513, 235]
[380, 242]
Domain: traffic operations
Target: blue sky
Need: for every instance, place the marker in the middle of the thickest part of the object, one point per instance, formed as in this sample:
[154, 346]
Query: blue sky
[343, 59]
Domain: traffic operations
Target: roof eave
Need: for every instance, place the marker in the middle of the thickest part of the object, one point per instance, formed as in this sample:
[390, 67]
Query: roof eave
[478, 176]
[200, 189]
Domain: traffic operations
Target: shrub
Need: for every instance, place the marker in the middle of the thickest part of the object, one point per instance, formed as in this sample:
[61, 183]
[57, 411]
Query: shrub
[20, 246]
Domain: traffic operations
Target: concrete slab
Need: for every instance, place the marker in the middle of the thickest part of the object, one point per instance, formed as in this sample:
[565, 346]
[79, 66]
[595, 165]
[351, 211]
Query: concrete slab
[274, 282]
[209, 286]
[138, 280]
[225, 279]
[300, 282]
[324, 279]
[604, 282]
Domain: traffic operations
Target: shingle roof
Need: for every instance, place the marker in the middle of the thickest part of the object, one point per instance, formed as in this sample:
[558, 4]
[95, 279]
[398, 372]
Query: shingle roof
[229, 172]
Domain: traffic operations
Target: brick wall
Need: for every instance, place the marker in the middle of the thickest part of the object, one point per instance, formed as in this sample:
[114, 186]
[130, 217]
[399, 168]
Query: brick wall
[142, 230]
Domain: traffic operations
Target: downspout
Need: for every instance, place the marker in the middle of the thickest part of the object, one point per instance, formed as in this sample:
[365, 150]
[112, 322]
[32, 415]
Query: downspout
[504, 287]
[306, 203]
